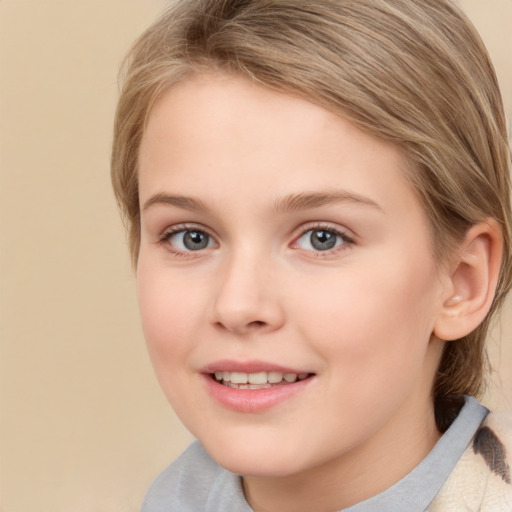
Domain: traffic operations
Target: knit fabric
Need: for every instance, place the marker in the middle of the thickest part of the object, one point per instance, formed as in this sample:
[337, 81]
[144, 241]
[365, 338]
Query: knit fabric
[481, 480]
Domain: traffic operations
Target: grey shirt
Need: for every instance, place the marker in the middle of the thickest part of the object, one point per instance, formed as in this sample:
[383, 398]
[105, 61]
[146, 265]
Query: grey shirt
[196, 483]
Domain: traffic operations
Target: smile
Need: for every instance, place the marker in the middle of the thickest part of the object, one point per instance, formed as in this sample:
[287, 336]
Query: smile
[259, 388]
[258, 380]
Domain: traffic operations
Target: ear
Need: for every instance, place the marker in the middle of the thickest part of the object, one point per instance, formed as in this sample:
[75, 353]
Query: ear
[473, 277]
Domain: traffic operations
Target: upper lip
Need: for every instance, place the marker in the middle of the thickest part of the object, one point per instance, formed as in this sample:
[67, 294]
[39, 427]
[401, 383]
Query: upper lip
[251, 366]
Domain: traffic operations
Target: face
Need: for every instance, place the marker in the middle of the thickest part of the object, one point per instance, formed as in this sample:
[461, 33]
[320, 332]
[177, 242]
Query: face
[286, 281]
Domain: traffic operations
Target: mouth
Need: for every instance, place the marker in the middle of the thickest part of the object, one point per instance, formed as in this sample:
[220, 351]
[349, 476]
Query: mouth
[254, 386]
[257, 380]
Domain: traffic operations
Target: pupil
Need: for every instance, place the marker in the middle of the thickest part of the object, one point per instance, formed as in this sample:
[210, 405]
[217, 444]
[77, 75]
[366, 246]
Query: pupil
[323, 240]
[195, 240]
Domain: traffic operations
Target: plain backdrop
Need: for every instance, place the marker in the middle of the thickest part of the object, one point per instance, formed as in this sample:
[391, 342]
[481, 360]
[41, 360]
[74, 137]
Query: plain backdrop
[83, 424]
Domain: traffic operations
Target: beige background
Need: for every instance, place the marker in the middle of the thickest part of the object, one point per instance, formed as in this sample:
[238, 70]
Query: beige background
[84, 427]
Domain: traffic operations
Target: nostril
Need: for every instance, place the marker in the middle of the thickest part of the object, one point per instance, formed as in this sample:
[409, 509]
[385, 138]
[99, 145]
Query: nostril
[256, 323]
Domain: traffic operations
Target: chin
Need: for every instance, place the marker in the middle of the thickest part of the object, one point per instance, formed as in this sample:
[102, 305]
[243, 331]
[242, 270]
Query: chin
[264, 465]
[254, 458]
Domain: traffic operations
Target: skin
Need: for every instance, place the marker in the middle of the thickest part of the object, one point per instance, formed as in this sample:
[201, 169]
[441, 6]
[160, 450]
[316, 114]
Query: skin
[360, 316]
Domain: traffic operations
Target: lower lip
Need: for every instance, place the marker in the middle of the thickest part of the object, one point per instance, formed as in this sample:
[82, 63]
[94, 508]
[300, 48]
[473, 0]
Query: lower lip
[253, 400]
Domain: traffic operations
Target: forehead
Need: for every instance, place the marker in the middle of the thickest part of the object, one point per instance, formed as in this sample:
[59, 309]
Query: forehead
[213, 133]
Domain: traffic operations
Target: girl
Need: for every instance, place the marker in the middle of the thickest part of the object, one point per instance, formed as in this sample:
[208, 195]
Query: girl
[317, 197]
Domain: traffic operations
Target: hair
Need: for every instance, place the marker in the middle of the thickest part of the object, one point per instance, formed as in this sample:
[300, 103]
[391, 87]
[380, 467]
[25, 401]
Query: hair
[411, 72]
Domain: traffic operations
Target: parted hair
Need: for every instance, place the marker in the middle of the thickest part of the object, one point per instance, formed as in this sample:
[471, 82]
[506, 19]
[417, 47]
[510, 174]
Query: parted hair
[411, 72]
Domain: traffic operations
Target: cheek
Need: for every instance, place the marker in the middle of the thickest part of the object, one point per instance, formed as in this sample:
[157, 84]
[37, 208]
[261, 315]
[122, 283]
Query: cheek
[169, 311]
[374, 323]
[170, 314]
[373, 339]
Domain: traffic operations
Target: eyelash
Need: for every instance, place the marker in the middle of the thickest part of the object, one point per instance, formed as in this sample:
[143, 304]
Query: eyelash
[165, 238]
[346, 240]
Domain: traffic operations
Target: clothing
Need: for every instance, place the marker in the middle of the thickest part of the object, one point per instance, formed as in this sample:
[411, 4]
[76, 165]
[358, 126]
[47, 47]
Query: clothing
[467, 471]
[482, 479]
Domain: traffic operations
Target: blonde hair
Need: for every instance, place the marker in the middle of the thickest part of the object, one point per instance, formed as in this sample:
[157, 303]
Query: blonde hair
[412, 72]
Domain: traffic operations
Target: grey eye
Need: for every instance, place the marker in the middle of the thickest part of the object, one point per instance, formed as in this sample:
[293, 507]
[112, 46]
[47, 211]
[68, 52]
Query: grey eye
[320, 240]
[191, 240]
[195, 240]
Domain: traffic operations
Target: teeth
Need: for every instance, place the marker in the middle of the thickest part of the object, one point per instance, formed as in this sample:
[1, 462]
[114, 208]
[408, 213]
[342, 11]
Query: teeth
[257, 378]
[243, 380]
[239, 378]
[274, 377]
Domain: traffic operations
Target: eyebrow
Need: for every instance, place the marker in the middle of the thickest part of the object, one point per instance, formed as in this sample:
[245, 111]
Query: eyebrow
[288, 204]
[306, 200]
[186, 203]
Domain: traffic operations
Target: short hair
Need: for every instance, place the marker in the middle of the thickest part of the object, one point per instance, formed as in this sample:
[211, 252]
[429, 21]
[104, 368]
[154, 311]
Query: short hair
[411, 72]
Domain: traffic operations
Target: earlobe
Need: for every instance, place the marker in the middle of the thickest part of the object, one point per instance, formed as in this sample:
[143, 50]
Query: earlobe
[473, 279]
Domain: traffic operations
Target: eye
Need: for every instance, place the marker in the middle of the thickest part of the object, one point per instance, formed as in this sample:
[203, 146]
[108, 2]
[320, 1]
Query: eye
[188, 240]
[321, 239]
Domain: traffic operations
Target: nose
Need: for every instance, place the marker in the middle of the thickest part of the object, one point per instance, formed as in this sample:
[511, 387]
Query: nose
[247, 299]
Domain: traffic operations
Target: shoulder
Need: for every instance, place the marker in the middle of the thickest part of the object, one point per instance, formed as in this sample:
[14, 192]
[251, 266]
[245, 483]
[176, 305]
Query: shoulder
[482, 479]
[186, 484]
